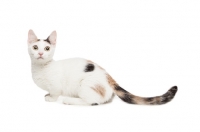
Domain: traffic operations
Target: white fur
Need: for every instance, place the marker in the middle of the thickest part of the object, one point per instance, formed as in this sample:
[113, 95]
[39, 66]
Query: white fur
[66, 77]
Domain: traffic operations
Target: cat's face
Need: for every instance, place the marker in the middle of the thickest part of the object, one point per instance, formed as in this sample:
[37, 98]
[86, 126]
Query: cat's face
[41, 50]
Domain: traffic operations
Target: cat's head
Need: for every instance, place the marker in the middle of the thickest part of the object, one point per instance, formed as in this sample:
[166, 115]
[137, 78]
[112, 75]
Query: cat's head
[41, 50]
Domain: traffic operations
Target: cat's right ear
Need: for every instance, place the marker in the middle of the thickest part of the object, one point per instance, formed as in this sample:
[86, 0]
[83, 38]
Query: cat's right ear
[52, 38]
[31, 37]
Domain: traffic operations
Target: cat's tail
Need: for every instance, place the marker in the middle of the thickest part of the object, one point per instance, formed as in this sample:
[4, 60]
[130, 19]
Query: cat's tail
[157, 100]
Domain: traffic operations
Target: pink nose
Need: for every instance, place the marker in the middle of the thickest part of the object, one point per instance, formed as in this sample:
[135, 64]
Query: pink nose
[40, 53]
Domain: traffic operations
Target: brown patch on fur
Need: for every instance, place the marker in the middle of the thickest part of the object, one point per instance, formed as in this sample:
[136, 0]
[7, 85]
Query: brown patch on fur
[101, 68]
[139, 100]
[120, 93]
[100, 90]
[111, 81]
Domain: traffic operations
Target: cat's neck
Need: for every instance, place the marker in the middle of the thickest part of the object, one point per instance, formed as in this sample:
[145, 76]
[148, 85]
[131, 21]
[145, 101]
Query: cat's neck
[39, 64]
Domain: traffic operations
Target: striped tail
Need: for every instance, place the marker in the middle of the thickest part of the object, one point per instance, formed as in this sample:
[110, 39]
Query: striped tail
[157, 100]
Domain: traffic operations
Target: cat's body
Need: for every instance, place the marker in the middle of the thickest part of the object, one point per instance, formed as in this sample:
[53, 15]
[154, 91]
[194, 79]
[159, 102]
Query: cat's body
[70, 78]
[81, 81]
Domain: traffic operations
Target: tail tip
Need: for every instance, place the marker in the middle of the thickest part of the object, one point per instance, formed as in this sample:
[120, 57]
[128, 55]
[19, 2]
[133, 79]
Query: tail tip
[167, 97]
[173, 89]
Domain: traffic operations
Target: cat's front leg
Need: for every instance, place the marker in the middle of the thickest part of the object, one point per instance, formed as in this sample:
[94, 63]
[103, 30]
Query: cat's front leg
[50, 97]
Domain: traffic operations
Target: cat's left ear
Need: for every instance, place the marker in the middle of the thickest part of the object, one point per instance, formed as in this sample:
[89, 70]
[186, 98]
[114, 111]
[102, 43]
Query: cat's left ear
[52, 38]
[31, 37]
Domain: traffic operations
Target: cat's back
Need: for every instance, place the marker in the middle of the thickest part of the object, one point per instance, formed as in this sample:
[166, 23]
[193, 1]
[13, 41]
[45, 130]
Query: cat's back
[70, 67]
[72, 64]
[79, 67]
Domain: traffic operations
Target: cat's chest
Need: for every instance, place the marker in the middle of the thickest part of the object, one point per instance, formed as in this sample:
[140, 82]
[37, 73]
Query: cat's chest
[40, 79]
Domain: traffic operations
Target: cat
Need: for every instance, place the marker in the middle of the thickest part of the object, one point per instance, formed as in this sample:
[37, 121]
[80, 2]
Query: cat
[80, 81]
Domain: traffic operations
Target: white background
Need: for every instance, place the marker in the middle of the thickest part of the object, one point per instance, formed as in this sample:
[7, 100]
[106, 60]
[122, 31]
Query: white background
[147, 47]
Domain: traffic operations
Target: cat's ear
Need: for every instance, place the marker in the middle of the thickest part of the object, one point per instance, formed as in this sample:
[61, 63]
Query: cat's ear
[52, 38]
[31, 37]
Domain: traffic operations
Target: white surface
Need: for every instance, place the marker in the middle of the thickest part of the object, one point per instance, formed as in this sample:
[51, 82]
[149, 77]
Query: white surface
[147, 46]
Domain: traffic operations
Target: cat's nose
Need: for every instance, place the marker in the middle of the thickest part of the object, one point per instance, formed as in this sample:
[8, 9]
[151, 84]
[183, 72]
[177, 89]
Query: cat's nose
[40, 53]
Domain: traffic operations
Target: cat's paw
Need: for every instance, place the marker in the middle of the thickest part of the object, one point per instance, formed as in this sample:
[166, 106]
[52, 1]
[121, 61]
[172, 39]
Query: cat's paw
[48, 98]
[66, 102]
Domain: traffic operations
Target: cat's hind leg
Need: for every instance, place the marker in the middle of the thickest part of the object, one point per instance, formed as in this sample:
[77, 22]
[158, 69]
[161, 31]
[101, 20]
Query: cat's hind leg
[91, 93]
[87, 96]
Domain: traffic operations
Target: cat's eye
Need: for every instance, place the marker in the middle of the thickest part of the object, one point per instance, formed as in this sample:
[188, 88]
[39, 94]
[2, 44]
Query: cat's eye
[35, 47]
[47, 48]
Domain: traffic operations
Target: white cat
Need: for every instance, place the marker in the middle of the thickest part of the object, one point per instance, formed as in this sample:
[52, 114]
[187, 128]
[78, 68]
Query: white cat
[81, 81]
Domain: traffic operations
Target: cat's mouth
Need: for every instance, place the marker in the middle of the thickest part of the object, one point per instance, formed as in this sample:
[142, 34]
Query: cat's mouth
[40, 58]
